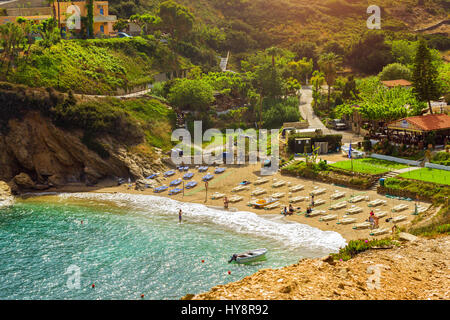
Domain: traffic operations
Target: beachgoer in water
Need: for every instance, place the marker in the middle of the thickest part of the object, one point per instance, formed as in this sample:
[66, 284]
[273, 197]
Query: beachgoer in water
[180, 213]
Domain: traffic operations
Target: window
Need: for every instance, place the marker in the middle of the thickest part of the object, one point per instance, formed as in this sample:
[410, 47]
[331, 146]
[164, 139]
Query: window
[102, 29]
[101, 12]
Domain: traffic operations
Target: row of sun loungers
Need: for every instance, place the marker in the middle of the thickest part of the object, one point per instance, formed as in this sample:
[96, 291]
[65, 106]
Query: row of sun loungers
[358, 199]
[261, 181]
[399, 208]
[278, 195]
[319, 202]
[258, 192]
[347, 221]
[338, 205]
[272, 206]
[235, 199]
[318, 191]
[328, 217]
[316, 213]
[337, 195]
[217, 195]
[278, 184]
[240, 188]
[354, 210]
[297, 199]
[377, 202]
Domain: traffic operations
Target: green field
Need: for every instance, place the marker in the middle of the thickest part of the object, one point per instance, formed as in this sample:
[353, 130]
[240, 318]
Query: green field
[369, 165]
[429, 175]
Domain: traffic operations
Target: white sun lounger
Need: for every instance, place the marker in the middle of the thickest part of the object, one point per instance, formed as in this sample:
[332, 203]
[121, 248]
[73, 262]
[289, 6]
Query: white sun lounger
[400, 207]
[318, 202]
[318, 191]
[240, 188]
[258, 192]
[399, 219]
[379, 232]
[362, 225]
[278, 195]
[381, 214]
[337, 195]
[296, 188]
[272, 206]
[298, 199]
[328, 217]
[278, 184]
[217, 195]
[421, 209]
[339, 205]
[234, 199]
[377, 202]
[261, 181]
[354, 210]
[358, 199]
[347, 221]
[316, 213]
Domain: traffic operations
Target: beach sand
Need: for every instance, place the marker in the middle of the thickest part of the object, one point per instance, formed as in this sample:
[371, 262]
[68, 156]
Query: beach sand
[225, 182]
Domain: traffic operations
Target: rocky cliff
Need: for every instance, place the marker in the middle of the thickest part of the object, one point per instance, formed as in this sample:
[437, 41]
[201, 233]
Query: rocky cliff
[6, 197]
[35, 154]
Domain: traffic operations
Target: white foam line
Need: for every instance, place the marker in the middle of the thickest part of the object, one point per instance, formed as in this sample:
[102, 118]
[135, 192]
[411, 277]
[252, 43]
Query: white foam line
[293, 234]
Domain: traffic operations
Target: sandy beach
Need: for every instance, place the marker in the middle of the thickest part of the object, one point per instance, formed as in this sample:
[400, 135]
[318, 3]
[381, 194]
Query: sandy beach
[225, 182]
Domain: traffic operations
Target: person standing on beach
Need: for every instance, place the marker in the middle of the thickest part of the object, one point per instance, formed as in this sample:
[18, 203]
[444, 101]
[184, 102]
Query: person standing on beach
[225, 203]
[312, 200]
[180, 213]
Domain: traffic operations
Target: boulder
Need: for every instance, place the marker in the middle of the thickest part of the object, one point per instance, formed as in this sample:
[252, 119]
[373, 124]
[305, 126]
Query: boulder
[24, 181]
[141, 184]
[6, 197]
[407, 237]
[56, 180]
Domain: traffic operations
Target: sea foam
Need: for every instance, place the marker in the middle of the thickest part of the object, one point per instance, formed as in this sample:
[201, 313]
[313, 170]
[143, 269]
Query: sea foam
[293, 235]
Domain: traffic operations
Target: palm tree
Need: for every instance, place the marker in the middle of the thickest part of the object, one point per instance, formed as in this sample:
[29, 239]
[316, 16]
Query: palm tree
[329, 64]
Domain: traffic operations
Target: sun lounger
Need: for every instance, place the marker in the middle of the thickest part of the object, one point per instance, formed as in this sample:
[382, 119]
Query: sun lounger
[337, 195]
[319, 202]
[219, 170]
[153, 176]
[208, 177]
[318, 191]
[217, 195]
[169, 173]
[234, 199]
[261, 181]
[328, 217]
[240, 188]
[278, 195]
[176, 182]
[191, 184]
[381, 214]
[347, 221]
[297, 199]
[377, 202]
[420, 209]
[354, 210]
[379, 232]
[175, 191]
[338, 206]
[315, 213]
[296, 188]
[362, 225]
[399, 219]
[278, 184]
[203, 169]
[188, 176]
[358, 199]
[160, 189]
[258, 192]
[399, 208]
[272, 206]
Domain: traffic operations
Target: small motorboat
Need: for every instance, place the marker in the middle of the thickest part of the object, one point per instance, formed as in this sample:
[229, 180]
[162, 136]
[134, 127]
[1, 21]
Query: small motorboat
[219, 170]
[188, 176]
[176, 182]
[250, 256]
[175, 191]
[169, 173]
[245, 182]
[261, 203]
[208, 177]
[191, 184]
[160, 189]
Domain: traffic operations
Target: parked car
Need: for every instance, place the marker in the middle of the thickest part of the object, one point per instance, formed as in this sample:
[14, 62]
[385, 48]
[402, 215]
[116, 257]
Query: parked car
[123, 35]
[338, 124]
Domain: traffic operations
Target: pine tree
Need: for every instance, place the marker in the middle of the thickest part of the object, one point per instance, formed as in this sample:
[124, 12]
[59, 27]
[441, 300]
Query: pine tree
[425, 74]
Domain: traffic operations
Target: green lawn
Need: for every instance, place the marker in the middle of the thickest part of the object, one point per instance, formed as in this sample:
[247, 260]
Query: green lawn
[428, 175]
[369, 165]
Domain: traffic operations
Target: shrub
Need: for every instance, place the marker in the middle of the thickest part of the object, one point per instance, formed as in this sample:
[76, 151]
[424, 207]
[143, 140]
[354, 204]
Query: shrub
[357, 246]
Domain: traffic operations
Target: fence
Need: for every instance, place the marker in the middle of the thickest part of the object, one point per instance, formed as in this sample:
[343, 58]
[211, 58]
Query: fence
[395, 159]
[436, 166]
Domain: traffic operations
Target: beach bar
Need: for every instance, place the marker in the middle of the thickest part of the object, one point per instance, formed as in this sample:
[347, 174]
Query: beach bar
[415, 130]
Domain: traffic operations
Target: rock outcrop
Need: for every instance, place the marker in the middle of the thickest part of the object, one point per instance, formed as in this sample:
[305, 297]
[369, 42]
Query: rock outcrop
[35, 154]
[6, 198]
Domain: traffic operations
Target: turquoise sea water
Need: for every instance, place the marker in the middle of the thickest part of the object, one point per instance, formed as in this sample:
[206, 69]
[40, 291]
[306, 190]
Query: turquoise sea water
[132, 245]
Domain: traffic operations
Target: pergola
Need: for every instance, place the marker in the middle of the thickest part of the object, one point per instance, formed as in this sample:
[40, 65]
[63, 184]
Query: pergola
[414, 130]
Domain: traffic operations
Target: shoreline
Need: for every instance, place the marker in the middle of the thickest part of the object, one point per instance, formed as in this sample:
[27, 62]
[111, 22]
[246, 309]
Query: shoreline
[231, 178]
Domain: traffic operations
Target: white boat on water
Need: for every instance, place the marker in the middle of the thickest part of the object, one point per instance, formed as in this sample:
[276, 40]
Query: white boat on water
[250, 256]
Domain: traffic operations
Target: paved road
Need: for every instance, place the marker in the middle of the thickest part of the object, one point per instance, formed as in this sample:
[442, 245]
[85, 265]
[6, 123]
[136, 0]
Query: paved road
[307, 113]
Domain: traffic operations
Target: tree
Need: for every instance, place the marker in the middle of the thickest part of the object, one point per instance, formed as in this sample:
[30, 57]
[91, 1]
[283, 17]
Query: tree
[425, 76]
[317, 80]
[395, 71]
[300, 70]
[329, 63]
[49, 32]
[146, 22]
[90, 18]
[176, 19]
[120, 25]
[305, 49]
[192, 95]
